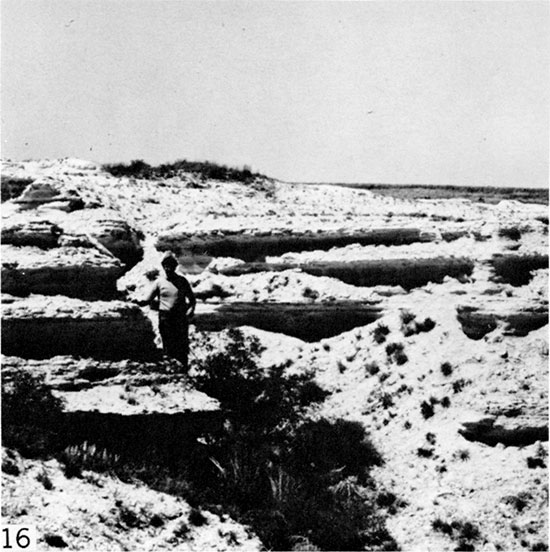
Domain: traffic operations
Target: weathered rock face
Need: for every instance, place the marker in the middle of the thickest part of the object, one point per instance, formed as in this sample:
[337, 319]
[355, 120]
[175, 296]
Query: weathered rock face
[122, 404]
[72, 271]
[38, 232]
[516, 269]
[407, 273]
[74, 259]
[519, 318]
[254, 245]
[518, 431]
[49, 191]
[118, 237]
[306, 321]
[13, 186]
[43, 327]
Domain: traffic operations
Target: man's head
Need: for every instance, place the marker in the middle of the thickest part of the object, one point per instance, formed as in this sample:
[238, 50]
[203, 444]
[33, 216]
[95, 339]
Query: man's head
[169, 263]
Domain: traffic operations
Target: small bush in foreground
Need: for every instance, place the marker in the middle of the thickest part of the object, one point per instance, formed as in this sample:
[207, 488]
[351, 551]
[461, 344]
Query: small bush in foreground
[407, 316]
[519, 501]
[442, 526]
[459, 384]
[396, 353]
[411, 326]
[464, 533]
[427, 410]
[424, 452]
[392, 348]
[400, 358]
[380, 332]
[372, 368]
[533, 462]
[44, 478]
[462, 454]
[197, 518]
[446, 368]
[386, 400]
[430, 437]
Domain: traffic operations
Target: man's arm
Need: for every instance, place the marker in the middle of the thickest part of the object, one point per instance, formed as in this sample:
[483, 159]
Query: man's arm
[153, 292]
[188, 292]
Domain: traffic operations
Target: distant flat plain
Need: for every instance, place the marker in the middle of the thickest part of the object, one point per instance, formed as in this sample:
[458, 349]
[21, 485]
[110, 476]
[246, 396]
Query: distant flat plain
[487, 194]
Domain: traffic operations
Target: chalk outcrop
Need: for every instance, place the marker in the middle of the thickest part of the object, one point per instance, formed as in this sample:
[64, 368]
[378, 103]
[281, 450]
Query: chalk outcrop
[78, 272]
[519, 430]
[306, 321]
[122, 404]
[518, 317]
[407, 273]
[42, 327]
[255, 244]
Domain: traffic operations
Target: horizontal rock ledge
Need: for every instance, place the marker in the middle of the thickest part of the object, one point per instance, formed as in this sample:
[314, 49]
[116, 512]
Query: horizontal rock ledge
[256, 245]
[408, 273]
[76, 272]
[42, 327]
[517, 431]
[519, 319]
[307, 321]
[123, 405]
[515, 269]
[37, 232]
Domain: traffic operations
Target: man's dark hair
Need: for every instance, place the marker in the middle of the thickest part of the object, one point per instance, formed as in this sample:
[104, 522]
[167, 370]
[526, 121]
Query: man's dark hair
[170, 261]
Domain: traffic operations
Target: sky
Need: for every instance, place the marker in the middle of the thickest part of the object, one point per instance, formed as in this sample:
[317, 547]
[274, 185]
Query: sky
[387, 92]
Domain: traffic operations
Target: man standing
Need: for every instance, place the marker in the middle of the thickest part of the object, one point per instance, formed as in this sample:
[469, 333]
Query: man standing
[176, 307]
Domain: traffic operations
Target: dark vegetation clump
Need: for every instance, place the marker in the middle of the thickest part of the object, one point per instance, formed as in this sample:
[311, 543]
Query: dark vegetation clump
[396, 353]
[203, 169]
[510, 232]
[464, 533]
[519, 501]
[424, 452]
[459, 384]
[197, 518]
[446, 368]
[44, 478]
[309, 293]
[407, 317]
[400, 358]
[534, 462]
[445, 402]
[31, 415]
[386, 400]
[462, 454]
[442, 526]
[426, 326]
[55, 541]
[411, 326]
[380, 332]
[271, 465]
[372, 368]
[392, 348]
[427, 409]
[430, 437]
